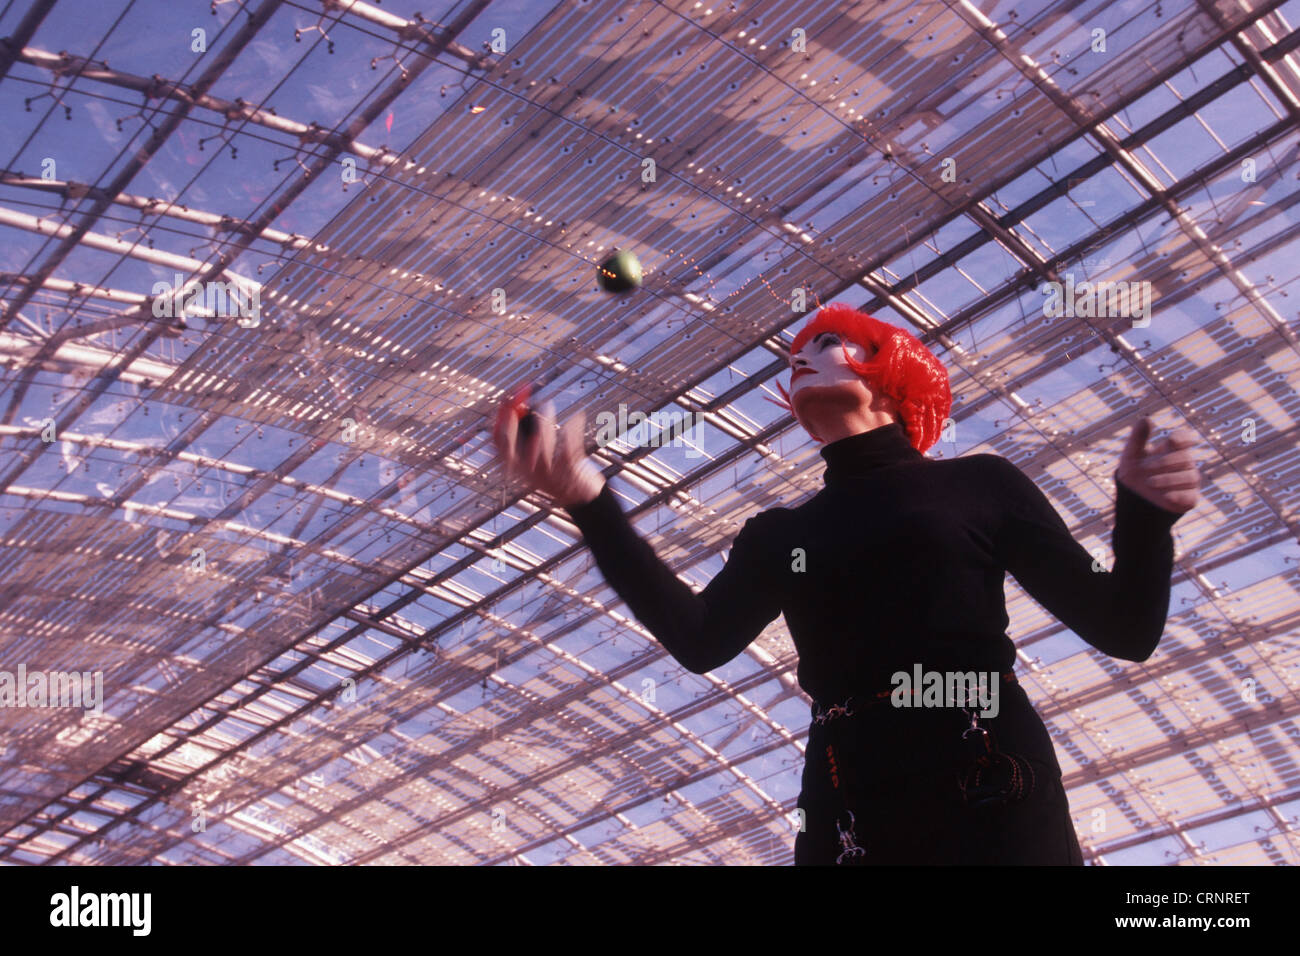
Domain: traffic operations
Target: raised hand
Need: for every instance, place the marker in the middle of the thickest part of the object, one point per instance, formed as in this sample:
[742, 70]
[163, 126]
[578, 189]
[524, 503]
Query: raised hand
[1166, 475]
[549, 459]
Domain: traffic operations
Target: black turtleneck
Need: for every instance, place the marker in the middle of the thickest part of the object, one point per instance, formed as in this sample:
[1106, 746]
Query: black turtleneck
[866, 451]
[900, 559]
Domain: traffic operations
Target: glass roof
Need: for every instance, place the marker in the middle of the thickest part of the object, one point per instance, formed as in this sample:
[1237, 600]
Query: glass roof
[270, 519]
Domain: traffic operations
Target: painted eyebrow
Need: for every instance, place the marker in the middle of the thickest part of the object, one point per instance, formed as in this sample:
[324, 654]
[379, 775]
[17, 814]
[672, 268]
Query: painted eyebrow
[815, 339]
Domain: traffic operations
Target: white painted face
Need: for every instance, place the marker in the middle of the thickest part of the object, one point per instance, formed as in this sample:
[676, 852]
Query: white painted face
[820, 363]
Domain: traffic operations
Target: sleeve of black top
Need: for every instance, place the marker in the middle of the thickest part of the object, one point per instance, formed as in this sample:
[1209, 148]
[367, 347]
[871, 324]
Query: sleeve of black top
[702, 631]
[1120, 612]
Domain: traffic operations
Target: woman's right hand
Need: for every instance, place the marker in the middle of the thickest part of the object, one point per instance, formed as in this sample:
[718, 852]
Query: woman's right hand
[551, 459]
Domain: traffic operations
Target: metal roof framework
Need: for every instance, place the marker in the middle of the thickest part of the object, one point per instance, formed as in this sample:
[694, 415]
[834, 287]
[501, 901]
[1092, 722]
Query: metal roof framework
[330, 633]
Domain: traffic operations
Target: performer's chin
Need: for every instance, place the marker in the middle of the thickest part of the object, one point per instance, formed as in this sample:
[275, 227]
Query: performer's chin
[814, 405]
[838, 396]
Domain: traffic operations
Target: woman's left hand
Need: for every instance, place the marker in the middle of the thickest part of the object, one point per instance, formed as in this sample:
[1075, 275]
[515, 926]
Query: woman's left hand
[1166, 476]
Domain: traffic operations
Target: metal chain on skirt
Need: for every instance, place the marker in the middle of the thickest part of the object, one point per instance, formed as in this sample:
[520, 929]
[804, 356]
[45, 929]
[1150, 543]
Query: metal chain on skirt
[991, 777]
[845, 821]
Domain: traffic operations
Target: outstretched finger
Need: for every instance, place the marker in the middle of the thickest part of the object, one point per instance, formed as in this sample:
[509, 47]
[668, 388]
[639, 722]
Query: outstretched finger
[1137, 440]
[505, 434]
[546, 439]
[1169, 460]
[571, 446]
[1175, 480]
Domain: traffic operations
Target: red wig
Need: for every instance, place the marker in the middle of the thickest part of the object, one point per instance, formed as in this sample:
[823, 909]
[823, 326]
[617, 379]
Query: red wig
[902, 368]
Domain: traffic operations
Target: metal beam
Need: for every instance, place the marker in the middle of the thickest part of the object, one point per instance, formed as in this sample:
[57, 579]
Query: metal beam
[130, 169]
[157, 207]
[11, 45]
[232, 111]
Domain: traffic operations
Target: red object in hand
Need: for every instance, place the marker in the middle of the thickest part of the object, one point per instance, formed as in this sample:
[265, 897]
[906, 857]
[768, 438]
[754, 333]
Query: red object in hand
[549, 459]
[519, 407]
[527, 424]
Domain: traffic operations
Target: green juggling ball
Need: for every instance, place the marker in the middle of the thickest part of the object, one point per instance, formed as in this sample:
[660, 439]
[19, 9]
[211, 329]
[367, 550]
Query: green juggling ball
[620, 273]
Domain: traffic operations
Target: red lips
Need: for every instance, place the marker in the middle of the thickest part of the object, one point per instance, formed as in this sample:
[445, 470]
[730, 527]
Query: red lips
[801, 371]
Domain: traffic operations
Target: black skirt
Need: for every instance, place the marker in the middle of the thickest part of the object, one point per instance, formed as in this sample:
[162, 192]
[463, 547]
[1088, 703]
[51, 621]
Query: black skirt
[898, 772]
